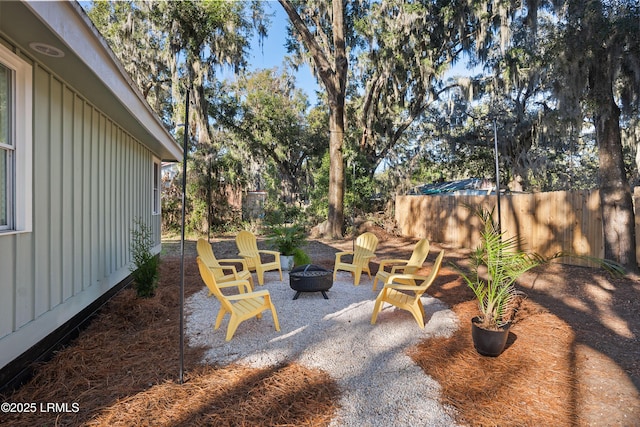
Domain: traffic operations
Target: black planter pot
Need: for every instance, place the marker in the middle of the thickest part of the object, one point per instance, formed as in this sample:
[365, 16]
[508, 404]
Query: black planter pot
[488, 342]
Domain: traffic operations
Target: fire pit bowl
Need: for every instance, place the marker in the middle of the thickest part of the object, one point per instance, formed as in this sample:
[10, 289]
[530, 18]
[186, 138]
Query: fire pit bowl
[310, 278]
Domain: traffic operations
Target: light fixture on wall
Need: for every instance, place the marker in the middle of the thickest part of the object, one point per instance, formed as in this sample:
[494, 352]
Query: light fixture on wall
[46, 49]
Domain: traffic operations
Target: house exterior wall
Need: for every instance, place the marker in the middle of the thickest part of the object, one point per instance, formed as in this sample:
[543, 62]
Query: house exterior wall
[91, 179]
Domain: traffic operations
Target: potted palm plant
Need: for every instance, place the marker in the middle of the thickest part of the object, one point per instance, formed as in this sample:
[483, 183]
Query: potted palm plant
[495, 266]
[287, 240]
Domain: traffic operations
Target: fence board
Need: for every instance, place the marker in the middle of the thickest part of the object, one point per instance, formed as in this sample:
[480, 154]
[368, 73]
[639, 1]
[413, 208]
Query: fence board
[547, 223]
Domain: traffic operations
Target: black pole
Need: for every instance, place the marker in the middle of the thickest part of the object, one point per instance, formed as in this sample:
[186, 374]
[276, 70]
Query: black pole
[495, 138]
[353, 210]
[184, 202]
[210, 185]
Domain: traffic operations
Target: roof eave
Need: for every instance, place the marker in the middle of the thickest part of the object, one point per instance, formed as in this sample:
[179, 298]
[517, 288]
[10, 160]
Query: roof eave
[112, 89]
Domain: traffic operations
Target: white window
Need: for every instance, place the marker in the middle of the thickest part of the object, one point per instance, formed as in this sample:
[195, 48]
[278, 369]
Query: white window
[7, 148]
[15, 142]
[156, 187]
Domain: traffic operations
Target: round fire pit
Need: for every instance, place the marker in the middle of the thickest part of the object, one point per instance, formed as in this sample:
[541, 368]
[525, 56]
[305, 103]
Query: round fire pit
[310, 278]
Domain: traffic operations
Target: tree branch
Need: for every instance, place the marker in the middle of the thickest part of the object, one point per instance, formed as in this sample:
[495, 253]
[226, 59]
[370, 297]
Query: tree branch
[325, 71]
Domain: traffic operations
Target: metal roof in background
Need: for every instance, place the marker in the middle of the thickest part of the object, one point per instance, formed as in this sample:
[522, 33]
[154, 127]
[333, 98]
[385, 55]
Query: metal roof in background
[462, 186]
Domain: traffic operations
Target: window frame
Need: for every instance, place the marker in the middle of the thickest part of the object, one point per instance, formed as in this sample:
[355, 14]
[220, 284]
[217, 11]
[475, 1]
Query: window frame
[156, 169]
[8, 149]
[20, 182]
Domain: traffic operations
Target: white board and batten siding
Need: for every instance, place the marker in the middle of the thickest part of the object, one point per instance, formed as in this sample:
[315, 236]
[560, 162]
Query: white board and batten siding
[91, 179]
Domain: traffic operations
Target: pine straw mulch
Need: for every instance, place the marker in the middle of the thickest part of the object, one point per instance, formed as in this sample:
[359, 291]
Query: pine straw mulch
[123, 368]
[530, 384]
[123, 371]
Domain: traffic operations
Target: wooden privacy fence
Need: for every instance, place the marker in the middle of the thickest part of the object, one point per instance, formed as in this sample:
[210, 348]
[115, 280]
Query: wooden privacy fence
[547, 223]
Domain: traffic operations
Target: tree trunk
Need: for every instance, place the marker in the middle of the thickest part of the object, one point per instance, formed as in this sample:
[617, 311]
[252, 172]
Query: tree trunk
[618, 220]
[200, 104]
[176, 98]
[336, 122]
[288, 184]
[336, 173]
[332, 67]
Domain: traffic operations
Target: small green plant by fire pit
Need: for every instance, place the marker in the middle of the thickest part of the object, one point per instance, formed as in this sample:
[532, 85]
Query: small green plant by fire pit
[145, 265]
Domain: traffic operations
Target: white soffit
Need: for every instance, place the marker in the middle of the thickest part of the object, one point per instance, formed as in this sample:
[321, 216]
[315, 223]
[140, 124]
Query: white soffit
[70, 23]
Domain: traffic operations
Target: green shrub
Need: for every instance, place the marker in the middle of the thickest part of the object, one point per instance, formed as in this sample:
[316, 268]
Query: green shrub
[145, 265]
[286, 239]
[300, 257]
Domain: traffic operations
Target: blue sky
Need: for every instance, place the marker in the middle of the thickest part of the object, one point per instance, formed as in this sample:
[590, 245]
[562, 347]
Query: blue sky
[273, 51]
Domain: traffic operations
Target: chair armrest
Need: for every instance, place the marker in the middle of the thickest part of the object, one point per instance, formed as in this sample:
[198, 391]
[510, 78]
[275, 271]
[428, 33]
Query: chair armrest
[218, 266]
[340, 254]
[274, 254]
[390, 279]
[264, 251]
[387, 262]
[228, 267]
[261, 293]
[235, 260]
[238, 283]
[368, 256]
[398, 287]
[397, 269]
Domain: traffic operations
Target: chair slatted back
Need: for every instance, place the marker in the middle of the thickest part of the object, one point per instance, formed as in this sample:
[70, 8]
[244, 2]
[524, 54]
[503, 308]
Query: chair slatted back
[210, 280]
[418, 256]
[206, 254]
[422, 288]
[248, 246]
[366, 244]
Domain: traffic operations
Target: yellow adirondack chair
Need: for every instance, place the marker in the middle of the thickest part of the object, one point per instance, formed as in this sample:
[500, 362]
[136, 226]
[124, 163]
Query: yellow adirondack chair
[220, 271]
[366, 245]
[241, 306]
[410, 266]
[407, 297]
[248, 249]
